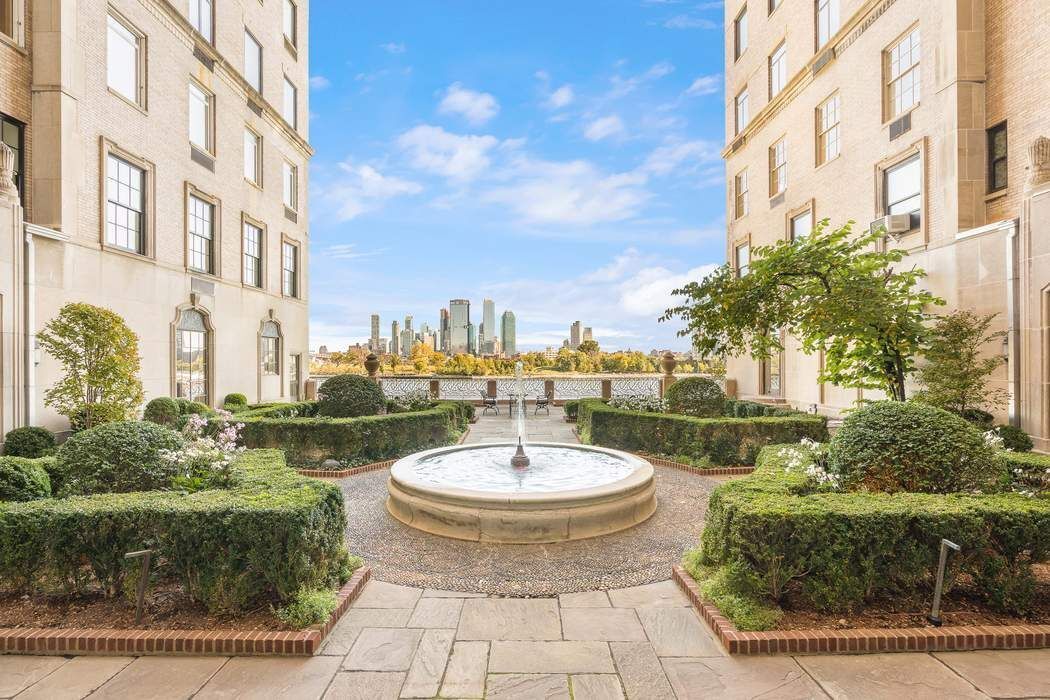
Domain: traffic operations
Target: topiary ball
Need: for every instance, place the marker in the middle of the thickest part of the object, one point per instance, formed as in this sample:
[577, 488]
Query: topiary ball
[118, 458]
[29, 442]
[235, 400]
[23, 480]
[162, 411]
[349, 396]
[696, 396]
[896, 446]
[1014, 438]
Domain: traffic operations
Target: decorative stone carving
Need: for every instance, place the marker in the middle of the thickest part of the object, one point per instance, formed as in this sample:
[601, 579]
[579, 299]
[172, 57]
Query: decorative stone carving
[372, 366]
[7, 173]
[668, 363]
[1039, 162]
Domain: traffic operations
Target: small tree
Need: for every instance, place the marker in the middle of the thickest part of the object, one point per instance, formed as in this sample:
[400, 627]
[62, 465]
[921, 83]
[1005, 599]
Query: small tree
[955, 377]
[100, 358]
[834, 291]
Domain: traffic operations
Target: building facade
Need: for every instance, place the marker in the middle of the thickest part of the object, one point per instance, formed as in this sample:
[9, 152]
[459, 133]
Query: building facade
[373, 339]
[162, 174]
[509, 334]
[575, 334]
[924, 118]
[459, 325]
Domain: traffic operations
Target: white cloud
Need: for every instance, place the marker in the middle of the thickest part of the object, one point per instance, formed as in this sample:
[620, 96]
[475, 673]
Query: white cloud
[562, 97]
[437, 151]
[622, 86]
[604, 127]
[705, 85]
[476, 107]
[669, 157]
[691, 22]
[393, 47]
[648, 292]
[358, 189]
[349, 251]
[319, 82]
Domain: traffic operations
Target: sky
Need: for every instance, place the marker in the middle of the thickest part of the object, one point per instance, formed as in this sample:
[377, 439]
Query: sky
[560, 157]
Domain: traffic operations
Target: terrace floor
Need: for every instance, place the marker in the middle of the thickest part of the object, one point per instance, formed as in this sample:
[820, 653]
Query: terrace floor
[640, 642]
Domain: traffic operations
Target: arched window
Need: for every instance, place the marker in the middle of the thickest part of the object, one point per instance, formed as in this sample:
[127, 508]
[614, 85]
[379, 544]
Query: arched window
[191, 356]
[271, 348]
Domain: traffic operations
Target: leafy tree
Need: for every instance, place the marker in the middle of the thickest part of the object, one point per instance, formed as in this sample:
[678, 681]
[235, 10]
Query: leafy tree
[100, 358]
[589, 347]
[831, 290]
[955, 377]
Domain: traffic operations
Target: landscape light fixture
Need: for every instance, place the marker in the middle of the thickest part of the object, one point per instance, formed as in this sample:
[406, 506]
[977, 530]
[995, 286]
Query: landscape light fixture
[935, 614]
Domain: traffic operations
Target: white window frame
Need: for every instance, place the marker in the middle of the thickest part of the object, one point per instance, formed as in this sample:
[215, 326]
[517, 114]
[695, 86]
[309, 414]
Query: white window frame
[209, 116]
[778, 70]
[742, 110]
[913, 160]
[17, 20]
[254, 175]
[828, 21]
[290, 274]
[902, 66]
[291, 40]
[742, 258]
[793, 223]
[119, 195]
[740, 34]
[252, 47]
[829, 133]
[778, 167]
[290, 186]
[201, 14]
[290, 103]
[195, 205]
[741, 199]
[116, 25]
[256, 257]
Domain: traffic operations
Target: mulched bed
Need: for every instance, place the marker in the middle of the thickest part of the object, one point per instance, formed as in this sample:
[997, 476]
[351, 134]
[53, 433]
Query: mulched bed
[961, 608]
[167, 608]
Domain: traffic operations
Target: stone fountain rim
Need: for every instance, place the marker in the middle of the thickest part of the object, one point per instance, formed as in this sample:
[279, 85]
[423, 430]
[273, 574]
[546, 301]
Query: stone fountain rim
[639, 479]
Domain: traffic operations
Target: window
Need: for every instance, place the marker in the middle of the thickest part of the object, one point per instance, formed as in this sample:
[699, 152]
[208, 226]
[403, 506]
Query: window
[743, 111]
[201, 118]
[289, 269]
[801, 225]
[997, 158]
[290, 177]
[201, 18]
[902, 185]
[252, 157]
[271, 346]
[12, 133]
[201, 221]
[740, 33]
[253, 252]
[12, 13]
[741, 204]
[743, 259]
[125, 205]
[291, 22]
[773, 5]
[290, 112]
[777, 70]
[777, 168]
[252, 61]
[827, 20]
[828, 130]
[123, 60]
[191, 357]
[903, 81]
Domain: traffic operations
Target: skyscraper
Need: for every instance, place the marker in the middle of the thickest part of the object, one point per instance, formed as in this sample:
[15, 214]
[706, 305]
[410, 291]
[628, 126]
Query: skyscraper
[395, 338]
[588, 333]
[373, 341]
[459, 323]
[508, 334]
[488, 325]
[444, 329]
[472, 339]
[574, 335]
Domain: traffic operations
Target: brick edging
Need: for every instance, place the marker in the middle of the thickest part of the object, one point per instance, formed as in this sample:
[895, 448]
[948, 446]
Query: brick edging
[861, 641]
[134, 642]
[354, 471]
[700, 471]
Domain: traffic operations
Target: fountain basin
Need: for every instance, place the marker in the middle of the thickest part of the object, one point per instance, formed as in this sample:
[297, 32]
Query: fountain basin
[569, 492]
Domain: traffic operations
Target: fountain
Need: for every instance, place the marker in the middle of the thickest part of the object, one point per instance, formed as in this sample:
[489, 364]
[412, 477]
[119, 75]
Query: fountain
[499, 493]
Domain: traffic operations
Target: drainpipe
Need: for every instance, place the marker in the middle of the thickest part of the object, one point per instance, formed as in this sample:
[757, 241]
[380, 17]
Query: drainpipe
[1013, 316]
[29, 349]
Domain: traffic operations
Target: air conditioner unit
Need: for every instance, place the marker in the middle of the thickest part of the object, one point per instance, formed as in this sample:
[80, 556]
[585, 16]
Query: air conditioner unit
[892, 224]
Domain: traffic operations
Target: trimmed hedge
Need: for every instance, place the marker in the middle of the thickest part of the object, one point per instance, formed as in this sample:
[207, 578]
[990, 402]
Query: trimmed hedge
[117, 458]
[23, 479]
[775, 538]
[30, 442]
[723, 441]
[350, 396]
[696, 396]
[268, 536]
[308, 440]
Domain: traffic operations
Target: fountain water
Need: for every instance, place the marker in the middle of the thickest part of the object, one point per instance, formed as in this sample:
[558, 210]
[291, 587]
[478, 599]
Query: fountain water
[520, 460]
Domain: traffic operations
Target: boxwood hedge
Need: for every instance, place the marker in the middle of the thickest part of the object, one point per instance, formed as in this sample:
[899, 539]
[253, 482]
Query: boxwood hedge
[722, 441]
[308, 440]
[268, 536]
[775, 538]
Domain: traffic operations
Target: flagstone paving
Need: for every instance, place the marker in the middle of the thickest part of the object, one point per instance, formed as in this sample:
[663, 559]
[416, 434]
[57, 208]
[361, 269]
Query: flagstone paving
[529, 648]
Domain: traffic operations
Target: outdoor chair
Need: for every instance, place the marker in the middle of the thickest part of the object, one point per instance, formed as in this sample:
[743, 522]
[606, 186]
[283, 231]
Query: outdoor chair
[543, 403]
[489, 403]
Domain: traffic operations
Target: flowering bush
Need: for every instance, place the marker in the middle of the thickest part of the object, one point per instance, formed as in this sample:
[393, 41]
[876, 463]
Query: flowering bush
[645, 404]
[207, 453]
[418, 400]
[811, 458]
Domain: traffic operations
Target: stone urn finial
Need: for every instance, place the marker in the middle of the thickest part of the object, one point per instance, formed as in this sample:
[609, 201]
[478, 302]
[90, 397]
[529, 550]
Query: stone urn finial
[7, 173]
[668, 363]
[1039, 162]
[372, 366]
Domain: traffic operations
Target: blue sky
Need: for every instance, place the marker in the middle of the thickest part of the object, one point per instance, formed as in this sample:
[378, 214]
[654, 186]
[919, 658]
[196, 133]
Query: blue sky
[557, 156]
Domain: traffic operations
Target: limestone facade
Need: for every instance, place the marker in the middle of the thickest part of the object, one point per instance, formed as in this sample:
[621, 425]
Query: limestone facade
[944, 94]
[81, 129]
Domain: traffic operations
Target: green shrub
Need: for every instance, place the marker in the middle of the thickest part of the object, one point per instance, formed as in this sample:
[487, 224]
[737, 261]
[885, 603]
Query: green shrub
[297, 409]
[56, 474]
[729, 407]
[572, 408]
[906, 446]
[187, 407]
[270, 535]
[235, 400]
[118, 457]
[350, 396]
[394, 406]
[773, 538]
[983, 420]
[162, 410]
[1014, 438]
[723, 441]
[29, 442]
[1029, 472]
[23, 479]
[308, 441]
[308, 607]
[696, 396]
